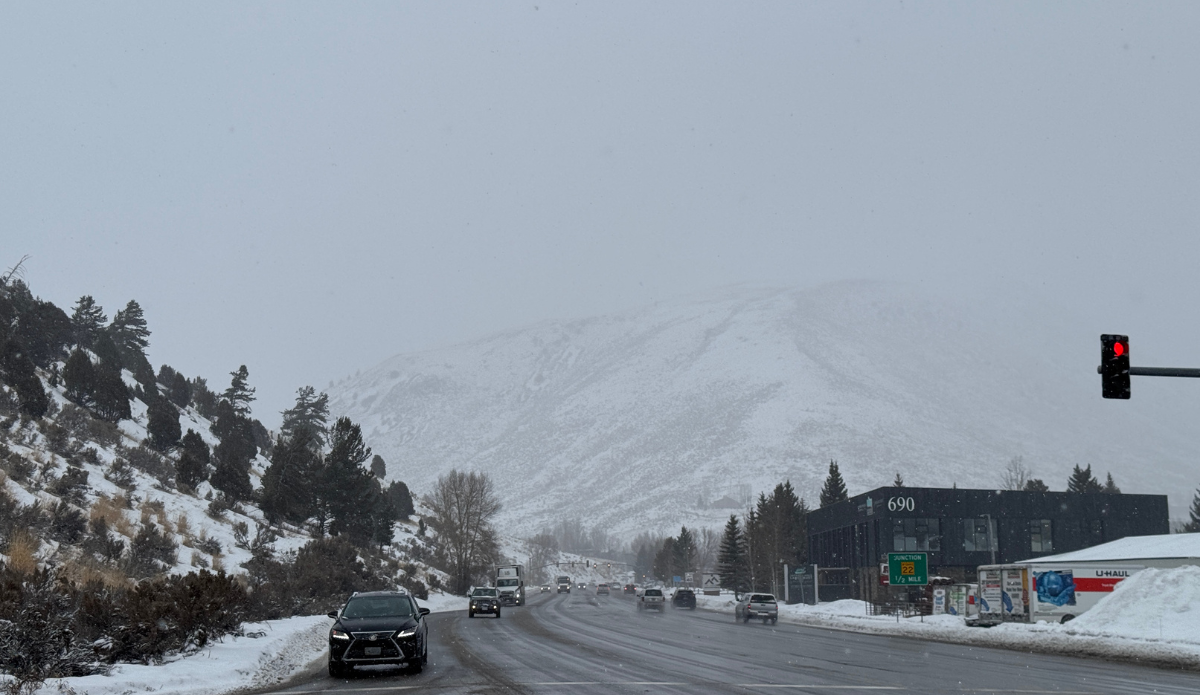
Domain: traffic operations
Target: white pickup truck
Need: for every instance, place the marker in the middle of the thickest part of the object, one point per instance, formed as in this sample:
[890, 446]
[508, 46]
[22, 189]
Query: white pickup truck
[651, 600]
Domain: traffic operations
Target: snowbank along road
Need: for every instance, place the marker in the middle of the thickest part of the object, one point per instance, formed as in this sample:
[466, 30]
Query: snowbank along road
[582, 643]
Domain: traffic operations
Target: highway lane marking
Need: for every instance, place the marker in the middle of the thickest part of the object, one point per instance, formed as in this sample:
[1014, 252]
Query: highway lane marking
[786, 686]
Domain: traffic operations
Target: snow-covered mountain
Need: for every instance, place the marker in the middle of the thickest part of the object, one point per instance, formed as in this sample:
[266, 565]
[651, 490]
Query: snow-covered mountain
[643, 420]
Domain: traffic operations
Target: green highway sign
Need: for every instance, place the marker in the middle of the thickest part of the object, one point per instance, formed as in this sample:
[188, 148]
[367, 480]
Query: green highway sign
[908, 569]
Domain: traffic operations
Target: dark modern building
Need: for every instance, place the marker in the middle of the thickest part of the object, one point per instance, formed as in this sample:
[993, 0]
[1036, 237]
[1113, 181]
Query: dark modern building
[962, 529]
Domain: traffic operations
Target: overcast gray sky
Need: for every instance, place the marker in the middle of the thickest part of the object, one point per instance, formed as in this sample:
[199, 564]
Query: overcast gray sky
[310, 188]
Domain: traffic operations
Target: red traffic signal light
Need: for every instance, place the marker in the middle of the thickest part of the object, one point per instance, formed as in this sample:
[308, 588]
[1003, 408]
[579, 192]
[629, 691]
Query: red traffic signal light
[1114, 366]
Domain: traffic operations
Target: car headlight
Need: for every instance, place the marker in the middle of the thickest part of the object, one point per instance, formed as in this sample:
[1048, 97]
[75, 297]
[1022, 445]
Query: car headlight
[408, 633]
[338, 634]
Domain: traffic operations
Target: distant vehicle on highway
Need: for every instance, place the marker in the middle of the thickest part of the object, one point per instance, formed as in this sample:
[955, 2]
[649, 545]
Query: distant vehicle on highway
[484, 600]
[510, 582]
[756, 606]
[378, 627]
[545, 588]
[564, 584]
[602, 590]
[651, 599]
[684, 598]
[582, 585]
[630, 589]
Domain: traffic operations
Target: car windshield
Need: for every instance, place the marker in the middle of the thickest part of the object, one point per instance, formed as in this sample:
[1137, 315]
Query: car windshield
[378, 607]
[508, 582]
[485, 592]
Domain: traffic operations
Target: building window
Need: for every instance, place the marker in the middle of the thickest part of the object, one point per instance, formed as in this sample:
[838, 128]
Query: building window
[910, 535]
[1040, 537]
[976, 535]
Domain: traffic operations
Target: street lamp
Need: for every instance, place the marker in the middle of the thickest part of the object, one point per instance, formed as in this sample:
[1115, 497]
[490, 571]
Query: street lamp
[991, 540]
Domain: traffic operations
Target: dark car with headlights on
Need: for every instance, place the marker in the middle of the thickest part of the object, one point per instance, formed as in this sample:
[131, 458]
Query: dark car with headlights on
[484, 600]
[378, 627]
[684, 598]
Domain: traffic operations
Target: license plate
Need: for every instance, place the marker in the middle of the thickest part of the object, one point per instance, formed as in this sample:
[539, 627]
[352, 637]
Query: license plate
[374, 651]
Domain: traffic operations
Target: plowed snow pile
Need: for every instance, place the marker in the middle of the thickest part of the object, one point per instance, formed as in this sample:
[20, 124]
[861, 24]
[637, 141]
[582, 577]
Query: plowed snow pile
[1154, 604]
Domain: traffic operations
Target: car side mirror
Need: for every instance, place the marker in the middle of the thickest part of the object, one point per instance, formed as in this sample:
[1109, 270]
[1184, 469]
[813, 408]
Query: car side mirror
[333, 615]
[423, 611]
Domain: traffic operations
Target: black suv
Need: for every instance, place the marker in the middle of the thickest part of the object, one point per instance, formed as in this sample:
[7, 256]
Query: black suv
[378, 627]
[684, 598]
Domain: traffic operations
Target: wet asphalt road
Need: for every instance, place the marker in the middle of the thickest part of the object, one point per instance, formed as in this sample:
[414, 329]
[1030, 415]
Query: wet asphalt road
[579, 643]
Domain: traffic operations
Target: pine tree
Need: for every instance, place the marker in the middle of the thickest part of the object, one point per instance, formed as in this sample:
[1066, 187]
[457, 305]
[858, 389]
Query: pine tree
[835, 488]
[203, 398]
[378, 467]
[163, 426]
[194, 458]
[731, 559]
[898, 481]
[684, 552]
[87, 321]
[664, 561]
[1111, 487]
[239, 394]
[44, 331]
[402, 500]
[1193, 524]
[179, 390]
[79, 377]
[347, 488]
[20, 373]
[234, 453]
[129, 333]
[1082, 480]
[312, 412]
[288, 483]
[1036, 485]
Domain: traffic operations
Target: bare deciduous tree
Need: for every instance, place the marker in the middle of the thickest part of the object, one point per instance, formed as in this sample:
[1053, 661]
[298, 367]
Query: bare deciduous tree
[1015, 474]
[543, 550]
[708, 544]
[462, 506]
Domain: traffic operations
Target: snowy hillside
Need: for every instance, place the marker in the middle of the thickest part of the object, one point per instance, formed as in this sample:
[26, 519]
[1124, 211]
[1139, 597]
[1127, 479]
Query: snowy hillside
[644, 419]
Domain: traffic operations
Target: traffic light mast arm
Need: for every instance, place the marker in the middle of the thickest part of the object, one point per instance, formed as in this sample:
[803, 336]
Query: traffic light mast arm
[1160, 371]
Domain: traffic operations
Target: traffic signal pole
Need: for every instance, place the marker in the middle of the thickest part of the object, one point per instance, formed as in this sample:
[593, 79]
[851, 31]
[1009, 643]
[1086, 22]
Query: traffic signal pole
[1114, 369]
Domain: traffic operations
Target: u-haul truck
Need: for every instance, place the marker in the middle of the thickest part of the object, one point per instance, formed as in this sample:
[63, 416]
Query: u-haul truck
[1061, 593]
[1033, 592]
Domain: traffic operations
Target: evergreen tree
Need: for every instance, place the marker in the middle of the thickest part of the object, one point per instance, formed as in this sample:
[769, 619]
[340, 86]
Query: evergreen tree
[79, 377]
[289, 482]
[1036, 485]
[1111, 487]
[684, 552]
[312, 412]
[194, 458]
[835, 488]
[401, 498]
[21, 374]
[179, 390]
[129, 333]
[44, 331]
[378, 467]
[234, 453]
[731, 559]
[1193, 524]
[163, 427]
[203, 398]
[898, 481]
[87, 321]
[1082, 480]
[239, 394]
[664, 561]
[348, 489]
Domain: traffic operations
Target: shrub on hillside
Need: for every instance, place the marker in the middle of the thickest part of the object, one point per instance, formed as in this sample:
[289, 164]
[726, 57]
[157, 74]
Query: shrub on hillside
[38, 605]
[71, 486]
[67, 524]
[151, 552]
[149, 461]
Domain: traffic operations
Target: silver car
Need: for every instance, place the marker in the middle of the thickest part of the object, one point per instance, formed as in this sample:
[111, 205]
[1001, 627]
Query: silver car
[756, 606]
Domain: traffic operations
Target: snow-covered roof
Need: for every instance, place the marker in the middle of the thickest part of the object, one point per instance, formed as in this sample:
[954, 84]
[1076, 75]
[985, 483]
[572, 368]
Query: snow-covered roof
[1172, 545]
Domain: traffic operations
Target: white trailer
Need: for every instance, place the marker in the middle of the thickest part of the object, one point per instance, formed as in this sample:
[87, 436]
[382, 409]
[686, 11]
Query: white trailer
[1029, 592]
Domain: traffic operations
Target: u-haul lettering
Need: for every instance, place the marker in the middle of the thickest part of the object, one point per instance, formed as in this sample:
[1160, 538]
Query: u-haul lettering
[1060, 591]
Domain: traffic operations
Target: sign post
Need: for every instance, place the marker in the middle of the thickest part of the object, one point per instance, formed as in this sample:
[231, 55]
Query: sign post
[908, 569]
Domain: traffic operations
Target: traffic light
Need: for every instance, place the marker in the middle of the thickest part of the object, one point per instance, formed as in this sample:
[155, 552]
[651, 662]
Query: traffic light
[1114, 365]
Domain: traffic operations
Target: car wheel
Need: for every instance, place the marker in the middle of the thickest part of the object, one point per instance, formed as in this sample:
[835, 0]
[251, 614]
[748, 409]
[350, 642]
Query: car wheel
[746, 618]
[415, 666]
[497, 612]
[774, 621]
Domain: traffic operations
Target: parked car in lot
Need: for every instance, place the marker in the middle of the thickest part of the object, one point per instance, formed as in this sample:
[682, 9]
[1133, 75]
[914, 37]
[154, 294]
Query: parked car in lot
[684, 598]
[484, 600]
[602, 590]
[378, 627]
[756, 606]
[651, 599]
[630, 589]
